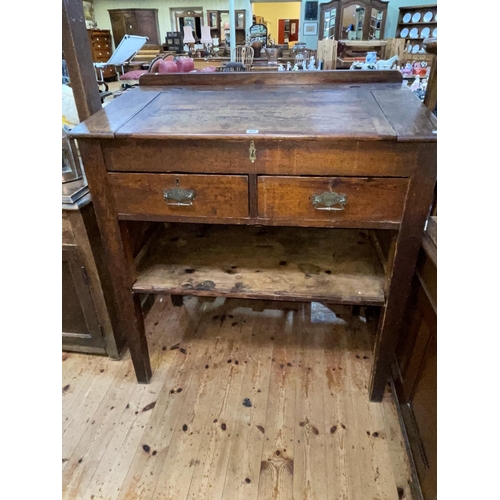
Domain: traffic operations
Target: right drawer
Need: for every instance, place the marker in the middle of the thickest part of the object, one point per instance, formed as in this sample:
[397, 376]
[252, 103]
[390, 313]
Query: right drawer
[330, 201]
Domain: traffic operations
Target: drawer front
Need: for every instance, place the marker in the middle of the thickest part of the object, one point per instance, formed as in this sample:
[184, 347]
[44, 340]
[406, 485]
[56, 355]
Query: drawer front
[101, 45]
[105, 54]
[100, 37]
[321, 158]
[178, 196]
[332, 200]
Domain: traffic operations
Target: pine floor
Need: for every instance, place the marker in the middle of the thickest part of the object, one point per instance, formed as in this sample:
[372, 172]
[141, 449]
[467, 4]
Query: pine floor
[248, 400]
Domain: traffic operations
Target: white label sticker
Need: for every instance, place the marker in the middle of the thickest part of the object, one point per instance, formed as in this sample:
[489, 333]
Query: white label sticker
[252, 131]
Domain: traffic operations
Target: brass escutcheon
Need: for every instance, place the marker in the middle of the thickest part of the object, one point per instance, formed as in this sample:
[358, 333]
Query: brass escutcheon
[253, 152]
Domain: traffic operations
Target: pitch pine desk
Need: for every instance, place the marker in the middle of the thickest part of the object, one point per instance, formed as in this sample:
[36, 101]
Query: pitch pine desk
[272, 182]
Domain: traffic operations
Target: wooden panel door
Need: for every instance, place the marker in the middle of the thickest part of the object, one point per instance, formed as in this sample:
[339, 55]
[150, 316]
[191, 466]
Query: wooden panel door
[281, 31]
[147, 25]
[80, 326]
[294, 30]
[122, 23]
[416, 375]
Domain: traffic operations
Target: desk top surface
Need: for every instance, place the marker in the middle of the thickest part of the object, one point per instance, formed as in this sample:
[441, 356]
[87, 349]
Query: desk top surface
[231, 110]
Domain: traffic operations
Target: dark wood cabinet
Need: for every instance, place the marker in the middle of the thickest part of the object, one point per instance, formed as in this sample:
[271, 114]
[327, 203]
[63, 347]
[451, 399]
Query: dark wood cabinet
[288, 30]
[89, 315]
[101, 48]
[141, 22]
[218, 20]
[80, 325]
[353, 20]
[415, 371]
[88, 309]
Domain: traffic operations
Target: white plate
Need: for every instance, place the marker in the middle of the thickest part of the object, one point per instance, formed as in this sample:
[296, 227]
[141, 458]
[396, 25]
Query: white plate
[415, 49]
[436, 17]
[435, 33]
[414, 33]
[428, 17]
[416, 17]
[404, 33]
[407, 17]
[425, 32]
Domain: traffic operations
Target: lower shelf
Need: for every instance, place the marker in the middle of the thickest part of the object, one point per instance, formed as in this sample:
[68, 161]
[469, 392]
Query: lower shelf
[276, 263]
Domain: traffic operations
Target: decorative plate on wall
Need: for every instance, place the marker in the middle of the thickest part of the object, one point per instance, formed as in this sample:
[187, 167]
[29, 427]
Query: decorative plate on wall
[409, 48]
[404, 32]
[435, 33]
[414, 33]
[428, 17]
[415, 48]
[416, 17]
[436, 17]
[407, 17]
[425, 32]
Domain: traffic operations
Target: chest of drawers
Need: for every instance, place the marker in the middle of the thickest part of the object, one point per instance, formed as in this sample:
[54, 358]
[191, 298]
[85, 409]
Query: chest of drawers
[272, 184]
[101, 49]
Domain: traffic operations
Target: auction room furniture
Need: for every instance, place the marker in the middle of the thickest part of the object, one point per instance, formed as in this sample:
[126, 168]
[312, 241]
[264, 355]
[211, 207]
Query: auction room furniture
[288, 30]
[244, 54]
[140, 22]
[274, 191]
[101, 48]
[353, 20]
[416, 23]
[87, 297]
[415, 366]
[216, 19]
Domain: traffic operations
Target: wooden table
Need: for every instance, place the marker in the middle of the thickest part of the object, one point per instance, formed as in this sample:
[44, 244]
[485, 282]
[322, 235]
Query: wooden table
[284, 180]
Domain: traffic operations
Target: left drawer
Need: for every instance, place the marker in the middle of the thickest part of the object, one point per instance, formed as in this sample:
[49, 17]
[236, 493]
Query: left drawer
[175, 196]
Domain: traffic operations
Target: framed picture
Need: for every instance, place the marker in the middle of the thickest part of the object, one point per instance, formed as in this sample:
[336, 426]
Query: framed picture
[311, 13]
[310, 28]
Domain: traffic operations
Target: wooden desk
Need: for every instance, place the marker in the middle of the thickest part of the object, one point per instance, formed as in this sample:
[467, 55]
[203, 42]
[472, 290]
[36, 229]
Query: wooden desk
[336, 153]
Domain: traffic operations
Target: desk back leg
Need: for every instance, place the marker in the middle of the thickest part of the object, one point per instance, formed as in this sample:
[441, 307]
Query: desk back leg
[118, 258]
[417, 207]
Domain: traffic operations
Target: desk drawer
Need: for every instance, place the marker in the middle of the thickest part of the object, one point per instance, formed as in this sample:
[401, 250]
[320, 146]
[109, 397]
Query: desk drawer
[177, 196]
[295, 158]
[332, 199]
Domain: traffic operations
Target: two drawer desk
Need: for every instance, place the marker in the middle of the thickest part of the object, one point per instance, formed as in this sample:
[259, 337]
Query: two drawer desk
[273, 184]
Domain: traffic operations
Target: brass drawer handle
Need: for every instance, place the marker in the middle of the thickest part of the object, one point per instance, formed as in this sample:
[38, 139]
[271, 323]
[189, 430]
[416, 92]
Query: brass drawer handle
[328, 201]
[179, 197]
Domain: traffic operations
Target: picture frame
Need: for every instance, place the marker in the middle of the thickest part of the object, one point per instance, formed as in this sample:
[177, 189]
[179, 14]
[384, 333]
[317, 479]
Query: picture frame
[311, 11]
[310, 28]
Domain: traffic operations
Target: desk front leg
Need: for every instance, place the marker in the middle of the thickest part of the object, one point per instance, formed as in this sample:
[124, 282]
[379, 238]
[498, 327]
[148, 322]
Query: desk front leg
[118, 258]
[417, 207]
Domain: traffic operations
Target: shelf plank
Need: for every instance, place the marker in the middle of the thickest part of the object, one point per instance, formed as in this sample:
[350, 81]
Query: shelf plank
[273, 263]
[402, 25]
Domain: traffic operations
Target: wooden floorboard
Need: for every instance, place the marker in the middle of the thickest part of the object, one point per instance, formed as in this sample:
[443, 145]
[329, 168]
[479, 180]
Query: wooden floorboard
[249, 400]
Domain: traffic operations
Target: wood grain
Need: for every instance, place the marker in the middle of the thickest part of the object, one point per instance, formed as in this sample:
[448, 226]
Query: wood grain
[321, 112]
[128, 308]
[410, 119]
[417, 209]
[290, 198]
[221, 196]
[126, 441]
[78, 57]
[107, 120]
[251, 262]
[286, 157]
[329, 77]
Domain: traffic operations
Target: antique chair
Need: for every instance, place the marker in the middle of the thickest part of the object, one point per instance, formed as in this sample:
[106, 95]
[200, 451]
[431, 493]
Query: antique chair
[244, 54]
[235, 66]
[302, 56]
